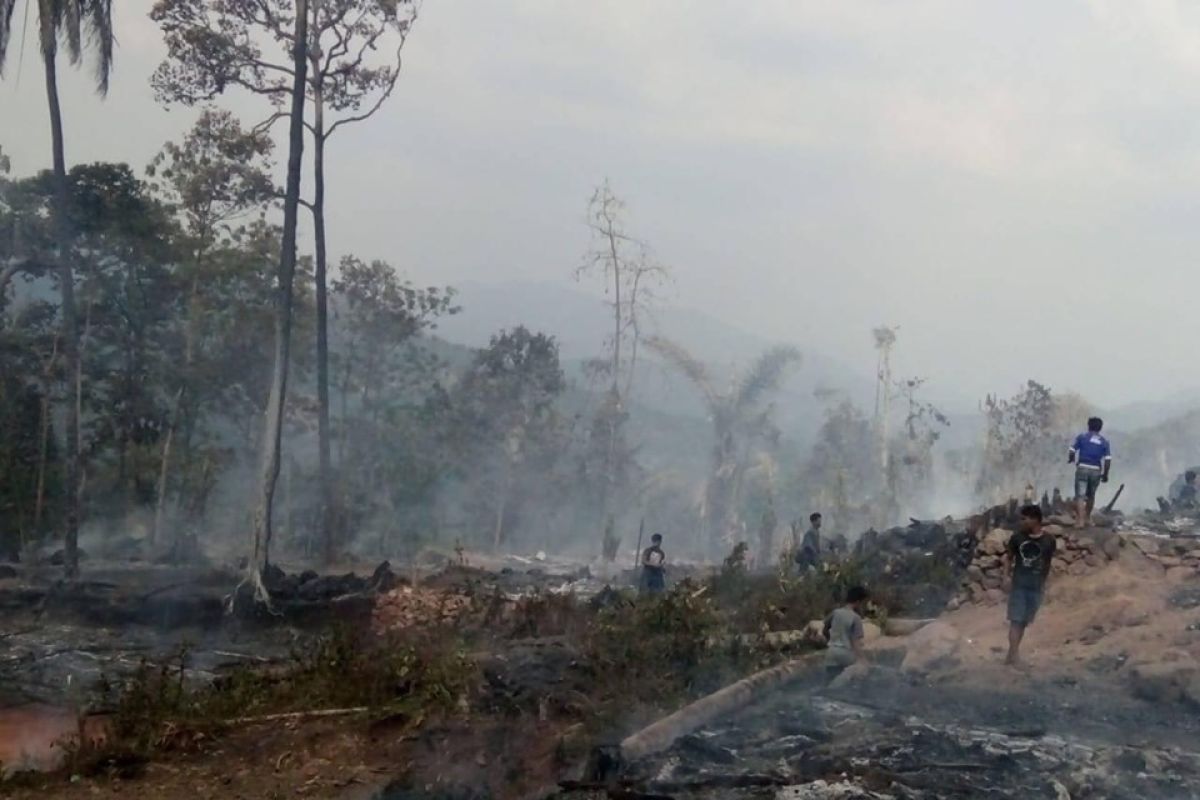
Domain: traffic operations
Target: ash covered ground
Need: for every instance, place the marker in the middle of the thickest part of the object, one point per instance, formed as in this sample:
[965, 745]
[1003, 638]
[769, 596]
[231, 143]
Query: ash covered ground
[1107, 707]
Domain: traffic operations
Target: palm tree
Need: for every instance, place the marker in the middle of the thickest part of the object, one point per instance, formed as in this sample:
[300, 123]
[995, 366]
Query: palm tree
[740, 417]
[72, 23]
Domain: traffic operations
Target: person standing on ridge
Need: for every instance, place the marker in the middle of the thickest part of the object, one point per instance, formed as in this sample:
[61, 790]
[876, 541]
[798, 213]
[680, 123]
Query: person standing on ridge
[808, 549]
[1027, 559]
[1092, 456]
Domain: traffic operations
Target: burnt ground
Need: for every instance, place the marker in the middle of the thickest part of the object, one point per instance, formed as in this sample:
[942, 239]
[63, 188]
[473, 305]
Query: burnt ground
[889, 736]
[1062, 730]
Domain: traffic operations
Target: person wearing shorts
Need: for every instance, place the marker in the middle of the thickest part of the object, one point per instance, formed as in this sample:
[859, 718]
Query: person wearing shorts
[1028, 558]
[1092, 456]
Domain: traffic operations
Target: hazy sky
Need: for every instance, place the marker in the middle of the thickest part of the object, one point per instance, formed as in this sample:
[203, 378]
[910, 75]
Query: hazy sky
[1016, 184]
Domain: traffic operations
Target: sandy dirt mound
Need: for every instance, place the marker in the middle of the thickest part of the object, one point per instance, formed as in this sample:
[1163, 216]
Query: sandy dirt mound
[1133, 621]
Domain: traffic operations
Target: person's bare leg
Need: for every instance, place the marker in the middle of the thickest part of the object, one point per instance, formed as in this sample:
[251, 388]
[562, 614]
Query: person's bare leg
[1015, 634]
[1080, 512]
[1091, 504]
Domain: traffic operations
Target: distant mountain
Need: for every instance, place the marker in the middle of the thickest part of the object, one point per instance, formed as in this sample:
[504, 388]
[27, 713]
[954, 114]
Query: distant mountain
[581, 323]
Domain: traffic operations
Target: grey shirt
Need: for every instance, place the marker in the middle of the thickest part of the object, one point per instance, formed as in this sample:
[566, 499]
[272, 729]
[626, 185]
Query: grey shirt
[845, 627]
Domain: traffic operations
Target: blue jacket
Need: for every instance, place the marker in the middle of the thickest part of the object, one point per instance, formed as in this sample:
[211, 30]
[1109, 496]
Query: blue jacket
[1091, 450]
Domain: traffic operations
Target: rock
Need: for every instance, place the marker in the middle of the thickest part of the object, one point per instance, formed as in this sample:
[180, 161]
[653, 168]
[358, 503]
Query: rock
[954, 604]
[995, 596]
[933, 646]
[1166, 681]
[870, 631]
[814, 632]
[1053, 528]
[1093, 560]
[974, 573]
[996, 542]
[1078, 568]
[988, 562]
[993, 581]
[1170, 561]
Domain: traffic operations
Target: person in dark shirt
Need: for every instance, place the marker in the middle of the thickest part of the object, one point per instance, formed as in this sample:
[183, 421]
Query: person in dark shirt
[808, 549]
[1028, 559]
[654, 569]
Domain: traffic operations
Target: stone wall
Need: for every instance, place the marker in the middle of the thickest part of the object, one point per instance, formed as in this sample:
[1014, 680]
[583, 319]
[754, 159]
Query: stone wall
[1077, 553]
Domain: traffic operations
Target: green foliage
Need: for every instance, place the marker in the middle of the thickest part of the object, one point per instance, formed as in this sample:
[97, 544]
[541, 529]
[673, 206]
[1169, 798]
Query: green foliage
[661, 649]
[157, 709]
[505, 432]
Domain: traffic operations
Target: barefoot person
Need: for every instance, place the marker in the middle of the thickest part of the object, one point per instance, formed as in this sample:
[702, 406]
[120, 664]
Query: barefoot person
[1027, 562]
[1092, 457]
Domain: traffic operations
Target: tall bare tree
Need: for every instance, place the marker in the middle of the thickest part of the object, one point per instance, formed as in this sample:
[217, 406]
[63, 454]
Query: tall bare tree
[212, 46]
[342, 79]
[353, 60]
[631, 276]
[73, 23]
[273, 429]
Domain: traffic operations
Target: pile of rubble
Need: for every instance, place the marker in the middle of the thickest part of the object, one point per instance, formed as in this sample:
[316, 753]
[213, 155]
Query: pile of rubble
[412, 607]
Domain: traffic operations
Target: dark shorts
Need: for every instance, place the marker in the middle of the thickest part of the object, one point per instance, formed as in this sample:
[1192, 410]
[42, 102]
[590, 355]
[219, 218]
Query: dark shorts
[1087, 481]
[654, 581]
[1023, 605]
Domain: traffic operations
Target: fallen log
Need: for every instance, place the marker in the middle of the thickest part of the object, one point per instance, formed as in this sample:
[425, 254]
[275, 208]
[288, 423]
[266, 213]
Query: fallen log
[662, 734]
[897, 626]
[327, 712]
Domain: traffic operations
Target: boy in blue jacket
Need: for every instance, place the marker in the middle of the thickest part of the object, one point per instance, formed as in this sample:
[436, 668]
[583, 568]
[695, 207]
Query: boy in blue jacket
[1092, 456]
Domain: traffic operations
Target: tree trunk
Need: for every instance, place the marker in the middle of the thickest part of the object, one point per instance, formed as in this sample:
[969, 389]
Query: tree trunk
[740, 694]
[164, 467]
[43, 453]
[617, 326]
[272, 439]
[66, 277]
[498, 534]
[189, 347]
[318, 211]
